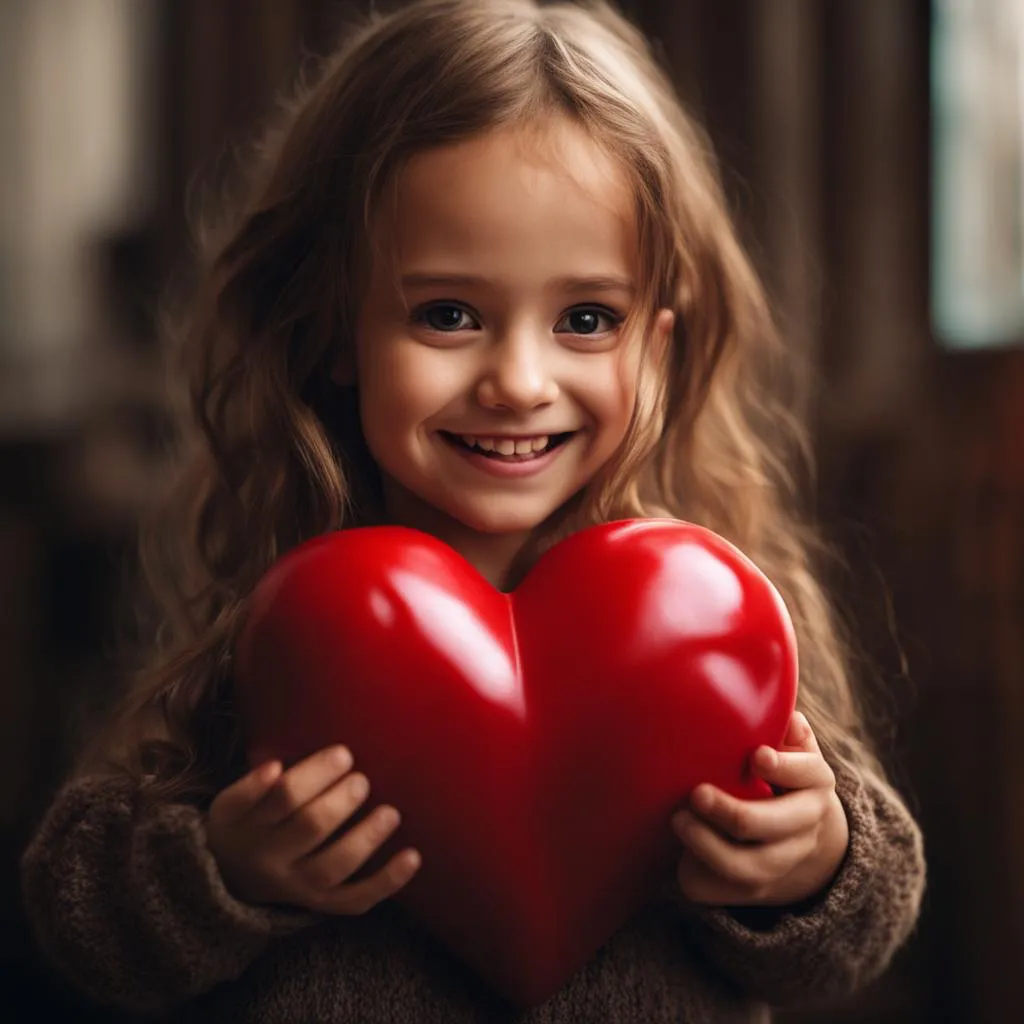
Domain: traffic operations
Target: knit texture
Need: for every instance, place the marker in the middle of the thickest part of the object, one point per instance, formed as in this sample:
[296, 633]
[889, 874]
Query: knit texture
[130, 906]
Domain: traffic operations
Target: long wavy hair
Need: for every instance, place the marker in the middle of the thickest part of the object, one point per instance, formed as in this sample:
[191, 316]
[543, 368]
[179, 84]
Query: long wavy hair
[271, 451]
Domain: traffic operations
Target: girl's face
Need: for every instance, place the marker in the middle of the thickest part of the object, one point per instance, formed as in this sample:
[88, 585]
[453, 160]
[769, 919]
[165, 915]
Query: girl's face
[494, 375]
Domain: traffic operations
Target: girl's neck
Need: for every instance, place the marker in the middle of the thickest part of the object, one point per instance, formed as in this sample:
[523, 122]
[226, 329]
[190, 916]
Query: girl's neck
[491, 554]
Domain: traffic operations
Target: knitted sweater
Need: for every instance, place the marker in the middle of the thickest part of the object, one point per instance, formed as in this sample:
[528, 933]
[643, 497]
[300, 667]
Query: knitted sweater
[131, 907]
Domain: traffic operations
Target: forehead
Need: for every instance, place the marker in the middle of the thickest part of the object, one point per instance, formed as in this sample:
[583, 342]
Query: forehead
[548, 195]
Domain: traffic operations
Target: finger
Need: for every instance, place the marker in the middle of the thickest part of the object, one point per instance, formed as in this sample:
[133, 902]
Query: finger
[759, 820]
[335, 864]
[699, 883]
[302, 783]
[236, 800]
[314, 823]
[793, 769]
[362, 896]
[800, 735]
[753, 867]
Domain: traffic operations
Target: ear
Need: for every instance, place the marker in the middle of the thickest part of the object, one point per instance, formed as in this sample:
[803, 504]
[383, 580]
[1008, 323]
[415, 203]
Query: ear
[661, 336]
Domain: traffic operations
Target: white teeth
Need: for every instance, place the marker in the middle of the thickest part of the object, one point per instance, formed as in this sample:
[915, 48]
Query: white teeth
[507, 445]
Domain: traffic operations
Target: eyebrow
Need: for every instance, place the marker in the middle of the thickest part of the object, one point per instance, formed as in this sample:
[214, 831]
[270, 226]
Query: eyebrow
[607, 283]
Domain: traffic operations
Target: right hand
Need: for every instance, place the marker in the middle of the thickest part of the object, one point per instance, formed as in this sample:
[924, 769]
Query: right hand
[266, 831]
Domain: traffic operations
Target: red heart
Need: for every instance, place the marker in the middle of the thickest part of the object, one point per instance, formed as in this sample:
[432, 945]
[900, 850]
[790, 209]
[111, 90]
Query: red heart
[535, 743]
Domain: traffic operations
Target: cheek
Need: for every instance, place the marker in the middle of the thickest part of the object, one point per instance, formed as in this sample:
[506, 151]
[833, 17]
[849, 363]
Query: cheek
[401, 386]
[613, 401]
[383, 394]
[386, 391]
[618, 395]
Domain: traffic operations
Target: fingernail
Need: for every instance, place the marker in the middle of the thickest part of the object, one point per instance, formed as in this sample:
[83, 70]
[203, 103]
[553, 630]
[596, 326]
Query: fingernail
[343, 757]
[768, 758]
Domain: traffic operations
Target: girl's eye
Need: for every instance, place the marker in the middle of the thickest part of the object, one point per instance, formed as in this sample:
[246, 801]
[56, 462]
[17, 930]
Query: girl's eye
[587, 320]
[447, 318]
[442, 316]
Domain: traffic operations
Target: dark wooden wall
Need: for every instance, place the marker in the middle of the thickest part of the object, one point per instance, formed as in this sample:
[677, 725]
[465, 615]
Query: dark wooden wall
[820, 115]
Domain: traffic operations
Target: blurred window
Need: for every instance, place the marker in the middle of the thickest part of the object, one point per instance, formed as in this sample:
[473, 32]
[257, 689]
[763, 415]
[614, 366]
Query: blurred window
[978, 172]
[77, 133]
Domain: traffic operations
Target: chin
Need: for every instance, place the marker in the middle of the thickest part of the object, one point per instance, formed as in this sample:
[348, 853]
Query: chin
[499, 520]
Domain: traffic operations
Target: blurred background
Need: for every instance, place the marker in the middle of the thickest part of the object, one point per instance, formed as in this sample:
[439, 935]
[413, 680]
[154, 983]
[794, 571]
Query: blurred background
[874, 155]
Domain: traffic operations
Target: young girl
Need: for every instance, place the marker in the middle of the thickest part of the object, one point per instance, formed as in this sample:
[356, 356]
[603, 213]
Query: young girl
[483, 285]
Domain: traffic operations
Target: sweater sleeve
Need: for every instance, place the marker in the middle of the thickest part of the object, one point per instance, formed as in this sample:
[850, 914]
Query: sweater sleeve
[846, 937]
[131, 907]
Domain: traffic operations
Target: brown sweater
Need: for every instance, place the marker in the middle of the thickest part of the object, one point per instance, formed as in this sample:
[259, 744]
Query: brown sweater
[132, 909]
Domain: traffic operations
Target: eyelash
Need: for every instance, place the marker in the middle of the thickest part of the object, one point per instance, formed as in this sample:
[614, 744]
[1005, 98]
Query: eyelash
[420, 315]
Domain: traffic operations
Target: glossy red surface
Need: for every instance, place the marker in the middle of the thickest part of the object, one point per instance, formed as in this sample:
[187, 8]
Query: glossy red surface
[536, 743]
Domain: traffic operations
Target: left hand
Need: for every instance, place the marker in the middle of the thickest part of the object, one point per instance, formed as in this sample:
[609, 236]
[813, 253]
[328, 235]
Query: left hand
[770, 852]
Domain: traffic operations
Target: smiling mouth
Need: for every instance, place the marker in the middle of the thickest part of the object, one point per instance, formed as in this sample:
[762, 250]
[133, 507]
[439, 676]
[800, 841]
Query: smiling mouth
[505, 449]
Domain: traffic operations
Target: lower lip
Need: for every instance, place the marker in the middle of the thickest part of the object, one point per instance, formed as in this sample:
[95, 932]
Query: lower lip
[498, 467]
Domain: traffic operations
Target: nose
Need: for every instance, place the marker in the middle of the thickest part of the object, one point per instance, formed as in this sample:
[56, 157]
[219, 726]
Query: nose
[518, 376]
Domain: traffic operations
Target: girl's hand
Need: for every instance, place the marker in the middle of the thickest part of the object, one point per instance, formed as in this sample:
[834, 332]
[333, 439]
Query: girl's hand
[266, 832]
[766, 852]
